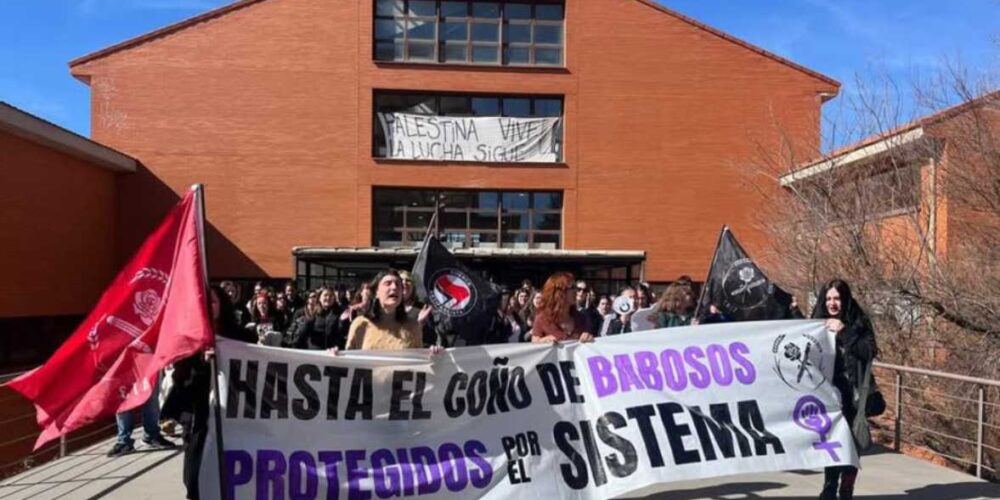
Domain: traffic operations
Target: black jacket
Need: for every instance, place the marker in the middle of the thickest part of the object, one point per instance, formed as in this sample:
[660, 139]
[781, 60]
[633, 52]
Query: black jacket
[617, 327]
[856, 347]
[322, 332]
[594, 319]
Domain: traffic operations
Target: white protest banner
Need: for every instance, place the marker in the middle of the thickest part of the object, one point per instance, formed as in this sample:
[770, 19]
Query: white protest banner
[481, 138]
[529, 420]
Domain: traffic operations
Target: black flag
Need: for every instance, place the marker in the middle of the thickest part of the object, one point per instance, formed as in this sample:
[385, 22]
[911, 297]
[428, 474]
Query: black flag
[738, 288]
[464, 304]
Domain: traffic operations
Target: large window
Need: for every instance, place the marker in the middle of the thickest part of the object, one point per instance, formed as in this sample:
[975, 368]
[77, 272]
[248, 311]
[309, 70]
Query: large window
[483, 219]
[470, 32]
[869, 191]
[514, 106]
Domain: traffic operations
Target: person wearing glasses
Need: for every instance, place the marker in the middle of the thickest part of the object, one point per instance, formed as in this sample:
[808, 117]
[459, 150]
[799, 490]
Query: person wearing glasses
[586, 307]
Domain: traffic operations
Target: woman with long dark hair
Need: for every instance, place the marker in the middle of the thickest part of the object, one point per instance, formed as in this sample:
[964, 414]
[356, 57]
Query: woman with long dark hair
[385, 324]
[856, 347]
[557, 318]
[323, 331]
[528, 312]
[511, 315]
[266, 322]
[188, 399]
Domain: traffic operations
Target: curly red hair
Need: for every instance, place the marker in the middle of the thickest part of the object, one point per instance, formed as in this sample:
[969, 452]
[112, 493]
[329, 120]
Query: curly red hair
[555, 297]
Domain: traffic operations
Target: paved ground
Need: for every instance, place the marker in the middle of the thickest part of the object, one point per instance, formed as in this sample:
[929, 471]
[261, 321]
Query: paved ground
[155, 475]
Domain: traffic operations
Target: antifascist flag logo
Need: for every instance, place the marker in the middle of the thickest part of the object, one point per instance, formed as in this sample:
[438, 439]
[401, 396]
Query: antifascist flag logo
[464, 304]
[453, 292]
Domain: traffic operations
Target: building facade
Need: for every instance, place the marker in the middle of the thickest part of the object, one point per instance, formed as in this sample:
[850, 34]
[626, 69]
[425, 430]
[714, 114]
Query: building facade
[924, 187]
[291, 111]
[58, 206]
[59, 199]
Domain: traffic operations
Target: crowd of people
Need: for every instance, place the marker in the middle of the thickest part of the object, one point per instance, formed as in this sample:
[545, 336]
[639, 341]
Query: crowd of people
[321, 319]
[385, 314]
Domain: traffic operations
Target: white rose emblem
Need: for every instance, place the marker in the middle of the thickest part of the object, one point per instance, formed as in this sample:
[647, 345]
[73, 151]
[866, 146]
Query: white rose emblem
[147, 304]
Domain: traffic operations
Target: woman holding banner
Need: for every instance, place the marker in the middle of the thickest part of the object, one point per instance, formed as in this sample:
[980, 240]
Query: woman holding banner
[856, 347]
[385, 325]
[557, 318]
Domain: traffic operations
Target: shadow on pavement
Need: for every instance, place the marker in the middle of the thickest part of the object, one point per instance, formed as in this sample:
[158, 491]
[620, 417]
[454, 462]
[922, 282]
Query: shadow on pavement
[731, 491]
[953, 491]
[740, 491]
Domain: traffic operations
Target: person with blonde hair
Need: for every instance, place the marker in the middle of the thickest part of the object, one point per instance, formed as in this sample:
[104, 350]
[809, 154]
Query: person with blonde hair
[676, 306]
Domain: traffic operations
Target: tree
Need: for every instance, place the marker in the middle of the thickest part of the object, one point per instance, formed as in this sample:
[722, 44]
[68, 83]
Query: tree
[910, 216]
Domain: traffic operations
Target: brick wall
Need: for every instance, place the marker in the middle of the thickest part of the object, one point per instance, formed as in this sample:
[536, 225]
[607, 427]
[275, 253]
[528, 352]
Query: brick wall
[270, 107]
[59, 216]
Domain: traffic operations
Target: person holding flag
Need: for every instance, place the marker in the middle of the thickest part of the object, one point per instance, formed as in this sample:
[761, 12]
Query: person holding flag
[188, 401]
[153, 314]
[464, 304]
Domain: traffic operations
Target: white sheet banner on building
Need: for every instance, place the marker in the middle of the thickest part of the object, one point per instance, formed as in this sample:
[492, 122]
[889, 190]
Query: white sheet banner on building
[529, 420]
[482, 139]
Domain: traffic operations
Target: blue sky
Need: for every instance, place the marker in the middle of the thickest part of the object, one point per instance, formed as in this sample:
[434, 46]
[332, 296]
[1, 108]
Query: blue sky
[905, 40]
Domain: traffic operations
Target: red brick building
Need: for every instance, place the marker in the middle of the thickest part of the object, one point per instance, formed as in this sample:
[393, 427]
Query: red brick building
[274, 105]
[59, 199]
[919, 181]
[58, 193]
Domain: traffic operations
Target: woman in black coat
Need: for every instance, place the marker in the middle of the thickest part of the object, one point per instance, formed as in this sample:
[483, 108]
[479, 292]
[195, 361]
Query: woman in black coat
[325, 329]
[856, 347]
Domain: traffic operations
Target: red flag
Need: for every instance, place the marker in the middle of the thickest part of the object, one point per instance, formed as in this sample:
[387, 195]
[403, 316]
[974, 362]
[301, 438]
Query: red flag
[153, 314]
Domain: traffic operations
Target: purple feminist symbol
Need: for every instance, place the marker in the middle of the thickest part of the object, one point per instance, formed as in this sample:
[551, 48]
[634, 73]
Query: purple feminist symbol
[810, 414]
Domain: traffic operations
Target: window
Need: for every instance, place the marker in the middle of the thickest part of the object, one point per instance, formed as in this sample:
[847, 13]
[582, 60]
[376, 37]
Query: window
[470, 219]
[891, 191]
[875, 191]
[510, 33]
[463, 105]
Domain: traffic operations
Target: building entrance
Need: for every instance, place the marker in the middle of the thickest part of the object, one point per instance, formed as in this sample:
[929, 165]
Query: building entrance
[605, 271]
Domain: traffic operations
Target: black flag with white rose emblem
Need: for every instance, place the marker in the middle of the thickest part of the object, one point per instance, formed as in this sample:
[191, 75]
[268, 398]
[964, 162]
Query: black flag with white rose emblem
[464, 304]
[738, 288]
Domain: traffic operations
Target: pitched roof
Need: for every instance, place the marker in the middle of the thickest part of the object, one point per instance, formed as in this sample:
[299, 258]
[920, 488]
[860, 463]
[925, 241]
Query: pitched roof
[164, 31]
[879, 143]
[212, 14]
[40, 131]
[747, 45]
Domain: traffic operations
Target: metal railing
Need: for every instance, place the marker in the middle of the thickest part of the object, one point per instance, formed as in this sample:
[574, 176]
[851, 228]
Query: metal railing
[899, 408]
[61, 447]
[897, 403]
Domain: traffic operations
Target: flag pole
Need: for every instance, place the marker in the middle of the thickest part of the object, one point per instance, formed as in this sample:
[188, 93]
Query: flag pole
[199, 190]
[431, 226]
[711, 265]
